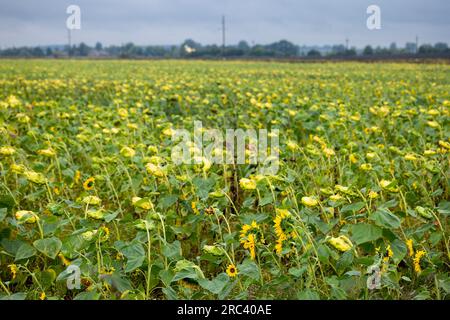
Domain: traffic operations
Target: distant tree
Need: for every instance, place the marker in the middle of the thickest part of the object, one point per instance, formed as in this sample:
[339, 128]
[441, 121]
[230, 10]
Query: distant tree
[441, 47]
[338, 49]
[426, 49]
[368, 51]
[393, 47]
[98, 46]
[128, 50]
[49, 52]
[382, 51]
[36, 52]
[258, 51]
[350, 52]
[314, 53]
[283, 48]
[243, 45]
[410, 47]
[83, 49]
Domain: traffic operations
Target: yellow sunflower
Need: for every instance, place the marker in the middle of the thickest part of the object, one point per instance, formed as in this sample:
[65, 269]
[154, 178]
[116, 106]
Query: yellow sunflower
[89, 184]
[232, 271]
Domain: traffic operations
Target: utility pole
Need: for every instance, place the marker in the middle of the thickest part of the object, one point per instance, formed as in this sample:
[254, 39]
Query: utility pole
[69, 41]
[223, 36]
[417, 44]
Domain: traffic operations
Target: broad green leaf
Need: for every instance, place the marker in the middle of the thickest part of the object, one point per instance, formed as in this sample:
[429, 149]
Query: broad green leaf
[87, 295]
[49, 246]
[172, 250]
[166, 276]
[364, 232]
[298, 272]
[399, 249]
[3, 212]
[167, 201]
[308, 294]
[119, 282]
[354, 207]
[250, 269]
[384, 218]
[15, 296]
[25, 251]
[216, 285]
[344, 261]
[187, 269]
[135, 254]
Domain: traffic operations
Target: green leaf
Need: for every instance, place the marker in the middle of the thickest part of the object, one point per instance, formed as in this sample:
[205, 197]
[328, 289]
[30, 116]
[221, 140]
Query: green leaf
[15, 296]
[135, 254]
[170, 293]
[87, 295]
[354, 207]
[216, 285]
[399, 249]
[444, 208]
[445, 284]
[172, 250]
[250, 269]
[7, 201]
[187, 269]
[12, 246]
[120, 283]
[364, 232]
[186, 274]
[323, 253]
[46, 277]
[49, 246]
[308, 294]
[25, 251]
[344, 262]
[167, 201]
[3, 212]
[266, 200]
[384, 218]
[166, 276]
[203, 186]
[297, 272]
[111, 216]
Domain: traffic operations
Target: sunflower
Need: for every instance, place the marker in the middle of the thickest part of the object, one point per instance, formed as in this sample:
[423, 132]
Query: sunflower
[232, 271]
[89, 184]
[417, 257]
[77, 176]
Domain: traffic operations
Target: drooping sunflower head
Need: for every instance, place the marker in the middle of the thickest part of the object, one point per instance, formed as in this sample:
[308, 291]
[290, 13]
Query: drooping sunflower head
[89, 184]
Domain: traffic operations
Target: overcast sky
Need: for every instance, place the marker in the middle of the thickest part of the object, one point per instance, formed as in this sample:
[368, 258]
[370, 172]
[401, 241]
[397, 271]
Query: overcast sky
[42, 22]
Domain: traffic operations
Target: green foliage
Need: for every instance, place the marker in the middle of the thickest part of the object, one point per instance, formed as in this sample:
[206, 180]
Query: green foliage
[87, 180]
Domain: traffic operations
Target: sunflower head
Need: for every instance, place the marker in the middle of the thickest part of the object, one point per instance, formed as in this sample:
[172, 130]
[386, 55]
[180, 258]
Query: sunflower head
[89, 184]
[232, 271]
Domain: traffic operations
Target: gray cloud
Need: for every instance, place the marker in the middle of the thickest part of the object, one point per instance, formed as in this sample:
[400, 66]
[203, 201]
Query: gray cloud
[28, 22]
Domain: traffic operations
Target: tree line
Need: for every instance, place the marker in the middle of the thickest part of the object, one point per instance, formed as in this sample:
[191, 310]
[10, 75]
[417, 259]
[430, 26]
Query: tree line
[192, 49]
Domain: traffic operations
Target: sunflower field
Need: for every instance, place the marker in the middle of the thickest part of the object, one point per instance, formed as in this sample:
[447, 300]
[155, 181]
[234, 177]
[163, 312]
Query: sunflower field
[359, 207]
